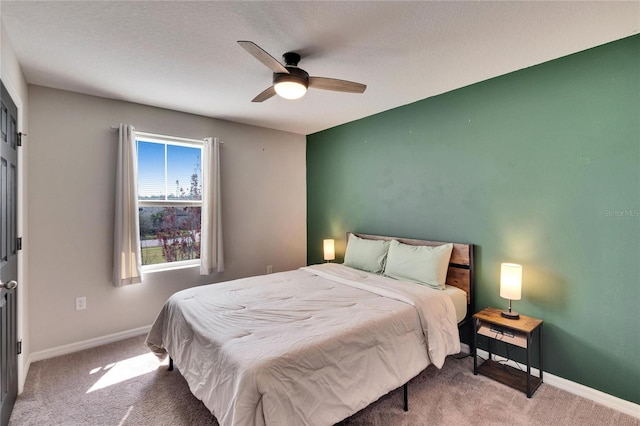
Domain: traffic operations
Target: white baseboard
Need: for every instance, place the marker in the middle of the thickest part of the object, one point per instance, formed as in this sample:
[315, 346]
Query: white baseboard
[594, 395]
[86, 344]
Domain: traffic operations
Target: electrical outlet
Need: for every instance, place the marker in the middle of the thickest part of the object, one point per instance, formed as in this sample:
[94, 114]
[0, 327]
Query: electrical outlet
[81, 303]
[269, 269]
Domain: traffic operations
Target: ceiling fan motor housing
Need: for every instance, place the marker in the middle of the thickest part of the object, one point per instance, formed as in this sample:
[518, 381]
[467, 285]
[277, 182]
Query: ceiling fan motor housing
[295, 75]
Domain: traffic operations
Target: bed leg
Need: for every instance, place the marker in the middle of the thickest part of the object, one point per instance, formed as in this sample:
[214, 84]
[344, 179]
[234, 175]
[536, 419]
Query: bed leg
[170, 364]
[406, 397]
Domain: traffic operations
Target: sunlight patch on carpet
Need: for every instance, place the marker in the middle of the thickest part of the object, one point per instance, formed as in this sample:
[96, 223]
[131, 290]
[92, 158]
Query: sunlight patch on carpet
[121, 371]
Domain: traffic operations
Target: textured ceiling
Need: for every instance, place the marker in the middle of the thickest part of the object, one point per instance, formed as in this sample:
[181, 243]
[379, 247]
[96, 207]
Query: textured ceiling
[184, 56]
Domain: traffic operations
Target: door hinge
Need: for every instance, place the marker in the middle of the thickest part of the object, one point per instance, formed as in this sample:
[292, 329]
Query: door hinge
[19, 347]
[20, 135]
[19, 244]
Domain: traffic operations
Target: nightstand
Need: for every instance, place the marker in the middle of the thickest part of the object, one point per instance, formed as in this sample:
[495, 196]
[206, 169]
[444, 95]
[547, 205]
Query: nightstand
[518, 332]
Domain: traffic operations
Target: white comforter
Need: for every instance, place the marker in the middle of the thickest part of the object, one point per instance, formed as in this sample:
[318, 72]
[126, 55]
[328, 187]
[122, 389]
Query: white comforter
[305, 347]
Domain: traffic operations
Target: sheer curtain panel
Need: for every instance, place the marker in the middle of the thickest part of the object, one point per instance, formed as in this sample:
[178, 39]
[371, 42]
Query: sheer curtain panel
[126, 255]
[211, 254]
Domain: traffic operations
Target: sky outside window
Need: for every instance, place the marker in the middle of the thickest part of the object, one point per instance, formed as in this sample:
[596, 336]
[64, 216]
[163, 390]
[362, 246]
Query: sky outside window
[182, 162]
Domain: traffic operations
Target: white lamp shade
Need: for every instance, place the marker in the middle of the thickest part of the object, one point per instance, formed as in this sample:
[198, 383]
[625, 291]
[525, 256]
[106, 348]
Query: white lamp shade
[510, 281]
[329, 248]
[290, 89]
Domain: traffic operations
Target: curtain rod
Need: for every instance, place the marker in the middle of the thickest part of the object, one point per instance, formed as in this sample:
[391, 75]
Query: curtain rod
[165, 136]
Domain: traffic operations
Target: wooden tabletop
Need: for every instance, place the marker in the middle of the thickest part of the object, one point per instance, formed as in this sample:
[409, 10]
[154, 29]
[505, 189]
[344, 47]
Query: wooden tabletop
[524, 324]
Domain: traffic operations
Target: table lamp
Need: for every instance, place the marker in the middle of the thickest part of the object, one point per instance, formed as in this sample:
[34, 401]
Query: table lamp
[329, 250]
[510, 286]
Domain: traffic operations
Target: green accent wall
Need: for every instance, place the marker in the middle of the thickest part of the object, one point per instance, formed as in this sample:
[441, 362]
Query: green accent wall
[539, 167]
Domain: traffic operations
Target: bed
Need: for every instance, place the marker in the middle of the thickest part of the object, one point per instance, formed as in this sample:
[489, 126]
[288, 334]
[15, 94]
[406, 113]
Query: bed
[315, 345]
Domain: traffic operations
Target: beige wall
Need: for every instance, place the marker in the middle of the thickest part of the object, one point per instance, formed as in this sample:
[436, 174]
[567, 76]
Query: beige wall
[71, 201]
[13, 79]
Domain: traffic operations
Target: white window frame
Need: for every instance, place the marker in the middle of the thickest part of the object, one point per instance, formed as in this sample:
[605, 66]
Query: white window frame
[178, 141]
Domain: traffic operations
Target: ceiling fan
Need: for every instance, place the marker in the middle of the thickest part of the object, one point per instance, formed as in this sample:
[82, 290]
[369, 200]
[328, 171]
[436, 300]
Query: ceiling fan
[291, 82]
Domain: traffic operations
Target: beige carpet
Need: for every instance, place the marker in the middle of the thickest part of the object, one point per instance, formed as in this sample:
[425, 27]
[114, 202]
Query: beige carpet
[121, 384]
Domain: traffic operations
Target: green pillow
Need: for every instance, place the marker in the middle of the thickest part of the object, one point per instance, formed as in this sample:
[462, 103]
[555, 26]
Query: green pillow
[419, 264]
[366, 255]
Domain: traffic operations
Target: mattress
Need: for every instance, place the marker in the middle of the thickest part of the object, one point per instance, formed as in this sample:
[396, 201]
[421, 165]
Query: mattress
[305, 347]
[459, 299]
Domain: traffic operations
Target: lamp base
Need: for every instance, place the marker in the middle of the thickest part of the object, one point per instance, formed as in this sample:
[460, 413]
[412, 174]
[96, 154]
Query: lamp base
[510, 314]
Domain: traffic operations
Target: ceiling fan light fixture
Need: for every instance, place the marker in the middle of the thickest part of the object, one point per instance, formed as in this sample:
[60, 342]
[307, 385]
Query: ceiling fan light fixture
[290, 89]
[290, 86]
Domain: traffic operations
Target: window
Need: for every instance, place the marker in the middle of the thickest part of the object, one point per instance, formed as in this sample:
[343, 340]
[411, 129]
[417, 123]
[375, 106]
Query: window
[169, 200]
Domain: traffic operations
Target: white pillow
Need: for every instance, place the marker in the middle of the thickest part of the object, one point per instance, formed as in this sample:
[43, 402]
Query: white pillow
[419, 264]
[366, 255]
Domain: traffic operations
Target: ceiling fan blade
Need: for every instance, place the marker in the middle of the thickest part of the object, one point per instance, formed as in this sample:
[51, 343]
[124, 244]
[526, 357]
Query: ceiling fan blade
[259, 53]
[266, 94]
[336, 85]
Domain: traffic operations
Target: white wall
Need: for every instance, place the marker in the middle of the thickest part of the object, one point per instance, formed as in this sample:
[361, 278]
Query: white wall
[16, 84]
[71, 160]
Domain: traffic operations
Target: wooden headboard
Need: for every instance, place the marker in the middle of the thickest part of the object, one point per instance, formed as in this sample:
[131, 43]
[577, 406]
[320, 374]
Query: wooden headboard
[460, 272]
